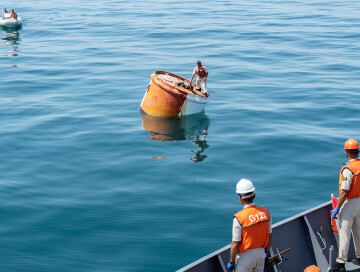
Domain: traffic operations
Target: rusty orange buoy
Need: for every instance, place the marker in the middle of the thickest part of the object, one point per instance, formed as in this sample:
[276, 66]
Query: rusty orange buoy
[171, 95]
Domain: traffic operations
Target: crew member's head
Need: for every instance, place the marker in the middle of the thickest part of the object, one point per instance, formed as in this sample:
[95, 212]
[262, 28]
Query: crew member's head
[312, 268]
[198, 63]
[351, 147]
[246, 191]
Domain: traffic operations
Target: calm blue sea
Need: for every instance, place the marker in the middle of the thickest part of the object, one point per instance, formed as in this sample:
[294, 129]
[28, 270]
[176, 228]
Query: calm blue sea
[88, 184]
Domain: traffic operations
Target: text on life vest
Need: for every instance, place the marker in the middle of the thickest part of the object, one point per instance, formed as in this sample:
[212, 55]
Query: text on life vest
[258, 216]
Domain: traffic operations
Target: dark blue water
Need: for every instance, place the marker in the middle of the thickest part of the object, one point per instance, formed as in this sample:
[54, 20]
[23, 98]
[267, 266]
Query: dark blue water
[88, 184]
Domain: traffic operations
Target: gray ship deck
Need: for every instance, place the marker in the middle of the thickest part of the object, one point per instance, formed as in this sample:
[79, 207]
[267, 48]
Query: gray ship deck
[308, 234]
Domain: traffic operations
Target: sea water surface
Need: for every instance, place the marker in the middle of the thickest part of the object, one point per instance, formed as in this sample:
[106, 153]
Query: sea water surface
[89, 184]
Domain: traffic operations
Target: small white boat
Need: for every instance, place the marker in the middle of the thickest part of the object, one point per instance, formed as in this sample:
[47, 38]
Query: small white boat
[6, 21]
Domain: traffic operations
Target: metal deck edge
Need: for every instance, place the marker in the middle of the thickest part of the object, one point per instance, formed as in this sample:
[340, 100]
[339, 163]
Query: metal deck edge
[301, 214]
[211, 255]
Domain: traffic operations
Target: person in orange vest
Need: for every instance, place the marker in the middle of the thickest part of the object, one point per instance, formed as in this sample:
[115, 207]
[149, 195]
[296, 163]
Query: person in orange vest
[13, 14]
[202, 73]
[251, 232]
[348, 206]
[312, 268]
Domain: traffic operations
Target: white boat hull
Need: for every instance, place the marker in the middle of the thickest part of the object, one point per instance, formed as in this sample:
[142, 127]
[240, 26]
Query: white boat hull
[10, 22]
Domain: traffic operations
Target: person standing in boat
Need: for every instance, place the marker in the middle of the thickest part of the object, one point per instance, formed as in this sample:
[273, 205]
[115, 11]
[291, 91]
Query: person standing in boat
[349, 206]
[251, 232]
[202, 73]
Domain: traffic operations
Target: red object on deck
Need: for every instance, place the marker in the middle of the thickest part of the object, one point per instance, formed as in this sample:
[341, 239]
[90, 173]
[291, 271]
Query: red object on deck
[334, 202]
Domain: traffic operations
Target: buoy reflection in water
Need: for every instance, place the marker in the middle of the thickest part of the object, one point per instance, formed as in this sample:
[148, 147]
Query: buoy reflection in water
[192, 128]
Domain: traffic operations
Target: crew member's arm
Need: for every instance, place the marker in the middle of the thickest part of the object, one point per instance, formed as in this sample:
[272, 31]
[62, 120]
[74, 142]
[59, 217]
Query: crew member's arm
[236, 239]
[234, 249]
[207, 72]
[192, 77]
[267, 249]
[342, 197]
[345, 186]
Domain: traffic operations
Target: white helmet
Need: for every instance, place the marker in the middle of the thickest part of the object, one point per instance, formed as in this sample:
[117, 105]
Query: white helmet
[245, 188]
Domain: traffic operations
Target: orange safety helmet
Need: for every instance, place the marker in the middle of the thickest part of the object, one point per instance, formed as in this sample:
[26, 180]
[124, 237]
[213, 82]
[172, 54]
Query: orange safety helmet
[351, 144]
[312, 268]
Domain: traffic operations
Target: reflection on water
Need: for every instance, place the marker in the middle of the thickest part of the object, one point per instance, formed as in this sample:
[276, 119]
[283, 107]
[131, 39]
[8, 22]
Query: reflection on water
[200, 142]
[11, 38]
[192, 128]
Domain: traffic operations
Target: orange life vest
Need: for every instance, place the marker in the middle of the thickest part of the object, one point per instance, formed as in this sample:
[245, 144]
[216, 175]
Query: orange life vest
[254, 222]
[354, 167]
[200, 71]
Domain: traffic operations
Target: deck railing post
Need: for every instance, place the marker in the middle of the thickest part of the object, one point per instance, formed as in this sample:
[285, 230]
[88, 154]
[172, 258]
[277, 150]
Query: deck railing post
[331, 258]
